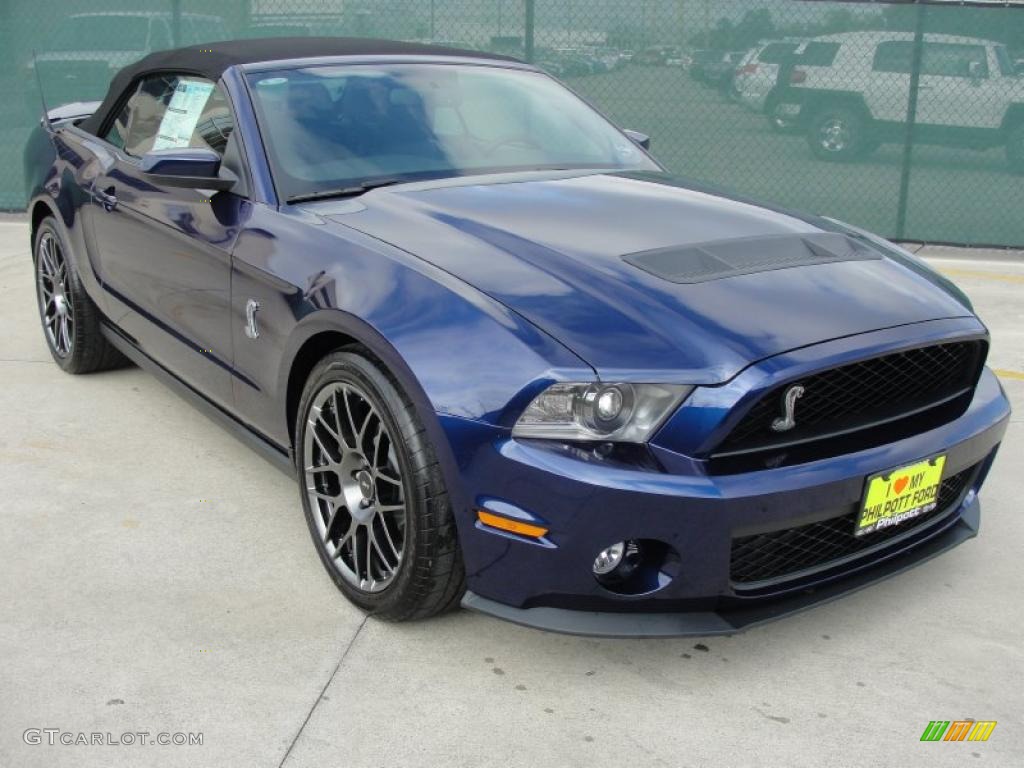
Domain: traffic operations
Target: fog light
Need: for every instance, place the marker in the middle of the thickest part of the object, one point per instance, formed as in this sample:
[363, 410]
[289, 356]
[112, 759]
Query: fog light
[969, 498]
[636, 566]
[608, 560]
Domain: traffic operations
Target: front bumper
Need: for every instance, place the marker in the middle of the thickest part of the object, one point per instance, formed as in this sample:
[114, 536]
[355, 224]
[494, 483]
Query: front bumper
[588, 504]
[962, 525]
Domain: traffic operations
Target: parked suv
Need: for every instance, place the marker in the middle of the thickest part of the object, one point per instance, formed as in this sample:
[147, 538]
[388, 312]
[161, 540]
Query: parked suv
[855, 98]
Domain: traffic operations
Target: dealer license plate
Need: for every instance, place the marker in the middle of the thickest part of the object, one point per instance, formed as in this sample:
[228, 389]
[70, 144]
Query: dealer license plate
[898, 495]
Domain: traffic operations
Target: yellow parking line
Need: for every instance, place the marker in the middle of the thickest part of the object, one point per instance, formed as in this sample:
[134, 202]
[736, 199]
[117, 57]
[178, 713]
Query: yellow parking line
[1008, 374]
[983, 275]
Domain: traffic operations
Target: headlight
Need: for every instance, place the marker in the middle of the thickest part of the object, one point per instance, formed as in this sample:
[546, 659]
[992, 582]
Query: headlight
[628, 413]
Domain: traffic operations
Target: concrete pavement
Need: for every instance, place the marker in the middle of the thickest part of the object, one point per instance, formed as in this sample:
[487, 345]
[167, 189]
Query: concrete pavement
[156, 575]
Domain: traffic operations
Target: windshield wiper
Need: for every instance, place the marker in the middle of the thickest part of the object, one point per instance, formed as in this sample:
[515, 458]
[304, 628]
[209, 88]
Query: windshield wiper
[353, 191]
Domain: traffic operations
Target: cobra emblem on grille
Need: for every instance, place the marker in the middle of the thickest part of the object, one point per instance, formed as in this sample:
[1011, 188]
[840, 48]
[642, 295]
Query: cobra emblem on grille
[788, 419]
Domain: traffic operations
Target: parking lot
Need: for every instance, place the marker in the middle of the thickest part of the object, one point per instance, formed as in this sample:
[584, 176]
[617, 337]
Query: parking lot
[955, 195]
[158, 576]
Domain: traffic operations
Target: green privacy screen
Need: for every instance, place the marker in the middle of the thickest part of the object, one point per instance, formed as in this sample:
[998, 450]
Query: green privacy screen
[904, 118]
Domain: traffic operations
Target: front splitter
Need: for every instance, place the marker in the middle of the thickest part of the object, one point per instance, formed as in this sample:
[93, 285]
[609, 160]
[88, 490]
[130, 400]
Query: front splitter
[736, 619]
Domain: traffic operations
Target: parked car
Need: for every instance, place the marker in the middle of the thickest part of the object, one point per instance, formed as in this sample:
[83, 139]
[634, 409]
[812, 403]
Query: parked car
[656, 55]
[575, 64]
[277, 27]
[552, 66]
[856, 98]
[701, 57]
[507, 359]
[87, 49]
[758, 72]
[721, 71]
[610, 58]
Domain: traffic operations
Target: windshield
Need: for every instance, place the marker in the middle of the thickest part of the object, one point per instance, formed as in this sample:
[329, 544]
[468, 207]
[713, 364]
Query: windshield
[101, 33]
[331, 127]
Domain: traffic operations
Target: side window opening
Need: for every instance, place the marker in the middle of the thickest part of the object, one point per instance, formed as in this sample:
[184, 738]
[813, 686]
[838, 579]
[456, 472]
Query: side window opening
[954, 60]
[819, 54]
[1007, 67]
[776, 53]
[895, 56]
[170, 110]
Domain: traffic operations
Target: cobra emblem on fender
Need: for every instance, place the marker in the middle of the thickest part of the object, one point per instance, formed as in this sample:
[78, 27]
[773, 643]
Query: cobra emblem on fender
[788, 419]
[251, 328]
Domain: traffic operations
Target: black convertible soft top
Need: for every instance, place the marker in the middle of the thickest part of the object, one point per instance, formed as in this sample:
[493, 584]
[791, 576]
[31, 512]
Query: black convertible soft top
[211, 59]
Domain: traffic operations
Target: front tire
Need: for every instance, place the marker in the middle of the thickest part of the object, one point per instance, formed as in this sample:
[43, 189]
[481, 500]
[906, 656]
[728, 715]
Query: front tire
[373, 494]
[70, 319]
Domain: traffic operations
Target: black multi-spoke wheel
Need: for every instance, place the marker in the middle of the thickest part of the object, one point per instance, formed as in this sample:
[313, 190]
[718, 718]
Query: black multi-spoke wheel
[71, 322]
[355, 486]
[54, 296]
[373, 493]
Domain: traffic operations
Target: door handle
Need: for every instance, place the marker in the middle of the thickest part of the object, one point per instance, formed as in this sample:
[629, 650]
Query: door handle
[106, 198]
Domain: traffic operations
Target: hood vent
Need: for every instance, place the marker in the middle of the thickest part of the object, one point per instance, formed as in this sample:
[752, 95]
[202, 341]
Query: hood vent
[743, 256]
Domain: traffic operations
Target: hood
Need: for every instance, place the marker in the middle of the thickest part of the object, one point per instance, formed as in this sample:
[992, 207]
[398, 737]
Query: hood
[639, 275]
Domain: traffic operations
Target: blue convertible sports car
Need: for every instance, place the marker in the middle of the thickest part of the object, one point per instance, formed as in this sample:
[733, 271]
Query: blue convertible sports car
[509, 359]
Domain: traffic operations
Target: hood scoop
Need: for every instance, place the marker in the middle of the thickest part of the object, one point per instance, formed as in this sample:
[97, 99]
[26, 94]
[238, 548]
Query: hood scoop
[719, 259]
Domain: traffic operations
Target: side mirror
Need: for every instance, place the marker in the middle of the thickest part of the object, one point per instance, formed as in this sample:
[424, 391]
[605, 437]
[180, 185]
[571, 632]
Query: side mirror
[976, 70]
[186, 167]
[642, 140]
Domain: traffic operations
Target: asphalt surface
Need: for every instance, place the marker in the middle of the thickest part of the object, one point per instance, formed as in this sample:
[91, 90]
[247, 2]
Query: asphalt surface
[157, 576]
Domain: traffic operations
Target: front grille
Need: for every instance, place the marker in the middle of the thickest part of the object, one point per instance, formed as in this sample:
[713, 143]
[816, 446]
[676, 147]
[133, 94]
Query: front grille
[791, 551]
[915, 383]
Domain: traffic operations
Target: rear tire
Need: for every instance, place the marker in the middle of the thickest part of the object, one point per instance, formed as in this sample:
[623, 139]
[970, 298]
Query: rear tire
[70, 319]
[372, 492]
[838, 134]
[778, 122]
[1015, 148]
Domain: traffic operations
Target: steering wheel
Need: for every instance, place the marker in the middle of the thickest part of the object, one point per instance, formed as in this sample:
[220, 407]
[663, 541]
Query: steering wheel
[522, 140]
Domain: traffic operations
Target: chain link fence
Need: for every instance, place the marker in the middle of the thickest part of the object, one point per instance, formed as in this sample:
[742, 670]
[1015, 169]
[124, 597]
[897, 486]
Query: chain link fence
[906, 118]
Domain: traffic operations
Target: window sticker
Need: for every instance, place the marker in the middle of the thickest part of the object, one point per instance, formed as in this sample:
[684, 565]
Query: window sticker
[182, 114]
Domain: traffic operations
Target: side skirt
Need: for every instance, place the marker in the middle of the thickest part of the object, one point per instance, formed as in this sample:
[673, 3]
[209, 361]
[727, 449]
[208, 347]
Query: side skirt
[272, 452]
